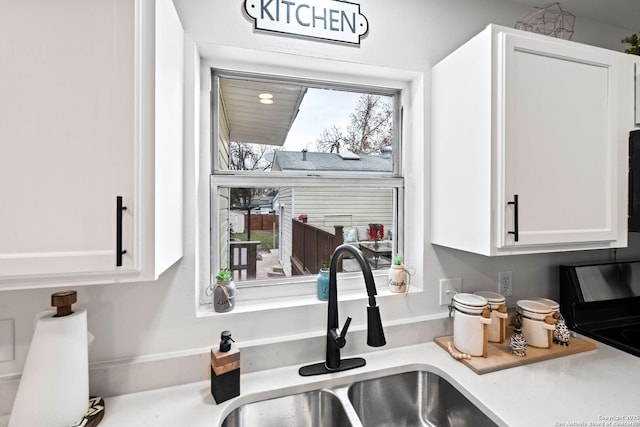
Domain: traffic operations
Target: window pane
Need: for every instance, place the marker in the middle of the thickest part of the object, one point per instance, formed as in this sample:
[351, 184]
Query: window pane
[266, 125]
[266, 233]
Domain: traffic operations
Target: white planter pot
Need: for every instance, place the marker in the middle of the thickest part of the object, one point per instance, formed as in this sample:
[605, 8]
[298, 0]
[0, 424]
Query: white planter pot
[398, 279]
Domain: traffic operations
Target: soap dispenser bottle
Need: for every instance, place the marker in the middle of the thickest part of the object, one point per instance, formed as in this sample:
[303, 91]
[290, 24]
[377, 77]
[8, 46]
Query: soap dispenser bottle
[225, 369]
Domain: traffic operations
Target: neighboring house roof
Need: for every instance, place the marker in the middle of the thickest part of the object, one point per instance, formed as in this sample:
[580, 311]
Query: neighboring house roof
[258, 202]
[262, 202]
[313, 161]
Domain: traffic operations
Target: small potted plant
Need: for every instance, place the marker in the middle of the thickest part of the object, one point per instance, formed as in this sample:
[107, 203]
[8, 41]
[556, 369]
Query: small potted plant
[398, 275]
[224, 291]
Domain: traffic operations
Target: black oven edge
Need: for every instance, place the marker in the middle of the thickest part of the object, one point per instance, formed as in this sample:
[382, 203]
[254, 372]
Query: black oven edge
[597, 319]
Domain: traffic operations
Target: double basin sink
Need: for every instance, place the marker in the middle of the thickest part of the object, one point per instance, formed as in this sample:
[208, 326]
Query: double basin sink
[417, 398]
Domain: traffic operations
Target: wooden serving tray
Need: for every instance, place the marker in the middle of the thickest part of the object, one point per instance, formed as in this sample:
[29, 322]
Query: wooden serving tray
[499, 355]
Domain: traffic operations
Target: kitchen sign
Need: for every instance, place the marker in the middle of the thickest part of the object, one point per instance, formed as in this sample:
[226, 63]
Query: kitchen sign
[333, 20]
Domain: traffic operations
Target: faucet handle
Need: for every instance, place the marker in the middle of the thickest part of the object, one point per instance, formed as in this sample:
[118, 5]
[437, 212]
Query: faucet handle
[340, 339]
[345, 328]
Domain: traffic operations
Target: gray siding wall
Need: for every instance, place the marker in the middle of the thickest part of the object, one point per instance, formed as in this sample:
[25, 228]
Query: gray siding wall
[327, 207]
[286, 199]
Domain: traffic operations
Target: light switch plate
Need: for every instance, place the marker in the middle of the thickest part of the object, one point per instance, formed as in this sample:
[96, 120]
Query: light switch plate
[7, 340]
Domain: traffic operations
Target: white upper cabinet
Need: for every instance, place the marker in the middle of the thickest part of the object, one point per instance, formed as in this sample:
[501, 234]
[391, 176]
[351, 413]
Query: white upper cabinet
[530, 145]
[91, 99]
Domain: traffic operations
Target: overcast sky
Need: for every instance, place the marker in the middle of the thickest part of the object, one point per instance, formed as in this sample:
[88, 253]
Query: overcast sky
[320, 109]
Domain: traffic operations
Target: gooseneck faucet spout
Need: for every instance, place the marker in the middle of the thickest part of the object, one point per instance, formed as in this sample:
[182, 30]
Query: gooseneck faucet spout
[336, 339]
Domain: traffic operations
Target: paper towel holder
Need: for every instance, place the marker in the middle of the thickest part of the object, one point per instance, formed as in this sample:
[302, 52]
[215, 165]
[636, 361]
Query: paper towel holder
[62, 301]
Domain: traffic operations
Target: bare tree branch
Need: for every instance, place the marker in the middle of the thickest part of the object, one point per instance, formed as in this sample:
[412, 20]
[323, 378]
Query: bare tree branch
[369, 130]
[243, 156]
[330, 139]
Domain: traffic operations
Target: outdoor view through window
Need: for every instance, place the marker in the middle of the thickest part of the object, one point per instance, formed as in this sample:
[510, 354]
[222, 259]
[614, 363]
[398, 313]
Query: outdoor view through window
[301, 168]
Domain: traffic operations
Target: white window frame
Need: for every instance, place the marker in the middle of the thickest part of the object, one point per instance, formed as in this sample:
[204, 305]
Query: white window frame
[275, 180]
[223, 178]
[410, 85]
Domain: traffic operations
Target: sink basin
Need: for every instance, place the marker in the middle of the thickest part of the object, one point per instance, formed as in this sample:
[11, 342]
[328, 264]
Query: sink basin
[416, 398]
[315, 408]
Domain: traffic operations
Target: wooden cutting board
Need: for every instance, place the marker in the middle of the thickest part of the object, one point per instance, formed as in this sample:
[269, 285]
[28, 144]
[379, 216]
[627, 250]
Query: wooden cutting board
[499, 355]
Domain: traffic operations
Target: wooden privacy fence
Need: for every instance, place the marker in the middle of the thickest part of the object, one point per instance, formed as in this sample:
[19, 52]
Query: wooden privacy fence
[260, 221]
[311, 246]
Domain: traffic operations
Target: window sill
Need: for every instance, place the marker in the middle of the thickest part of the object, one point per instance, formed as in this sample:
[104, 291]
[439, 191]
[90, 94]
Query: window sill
[252, 300]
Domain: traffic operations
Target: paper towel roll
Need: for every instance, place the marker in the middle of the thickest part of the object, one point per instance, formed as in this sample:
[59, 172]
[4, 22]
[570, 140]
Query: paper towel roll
[54, 389]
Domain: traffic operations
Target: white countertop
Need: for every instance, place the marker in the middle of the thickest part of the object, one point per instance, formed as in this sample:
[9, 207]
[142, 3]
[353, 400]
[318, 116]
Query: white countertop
[583, 389]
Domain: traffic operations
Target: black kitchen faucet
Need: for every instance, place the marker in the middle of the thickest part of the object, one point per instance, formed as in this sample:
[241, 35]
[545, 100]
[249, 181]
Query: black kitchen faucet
[336, 339]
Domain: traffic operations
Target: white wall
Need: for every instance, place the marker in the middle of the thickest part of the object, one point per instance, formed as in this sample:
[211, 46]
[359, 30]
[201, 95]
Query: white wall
[132, 320]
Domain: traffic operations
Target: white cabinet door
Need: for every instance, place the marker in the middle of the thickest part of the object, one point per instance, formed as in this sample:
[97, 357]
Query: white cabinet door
[66, 123]
[543, 120]
[559, 143]
[91, 106]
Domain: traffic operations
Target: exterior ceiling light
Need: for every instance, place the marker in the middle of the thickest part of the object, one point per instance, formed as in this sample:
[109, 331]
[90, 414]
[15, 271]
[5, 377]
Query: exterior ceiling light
[266, 98]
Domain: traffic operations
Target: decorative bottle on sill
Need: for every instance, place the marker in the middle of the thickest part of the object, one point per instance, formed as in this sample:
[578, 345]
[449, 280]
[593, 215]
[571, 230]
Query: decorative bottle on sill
[322, 283]
[224, 292]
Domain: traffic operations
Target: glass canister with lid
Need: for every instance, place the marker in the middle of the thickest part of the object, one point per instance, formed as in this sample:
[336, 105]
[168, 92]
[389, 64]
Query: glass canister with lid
[537, 322]
[470, 323]
[498, 326]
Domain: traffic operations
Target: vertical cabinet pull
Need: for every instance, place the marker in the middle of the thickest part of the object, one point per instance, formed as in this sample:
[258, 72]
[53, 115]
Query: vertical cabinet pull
[119, 251]
[515, 218]
[632, 192]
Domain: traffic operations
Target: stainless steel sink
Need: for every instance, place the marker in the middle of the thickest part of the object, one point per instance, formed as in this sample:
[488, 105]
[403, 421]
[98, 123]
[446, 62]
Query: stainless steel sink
[316, 408]
[416, 398]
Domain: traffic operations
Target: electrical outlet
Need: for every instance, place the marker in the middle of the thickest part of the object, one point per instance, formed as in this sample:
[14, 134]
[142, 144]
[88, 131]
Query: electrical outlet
[505, 284]
[448, 288]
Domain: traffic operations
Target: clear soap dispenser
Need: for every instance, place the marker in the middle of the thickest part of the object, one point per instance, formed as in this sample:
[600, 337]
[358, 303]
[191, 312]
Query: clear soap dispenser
[225, 369]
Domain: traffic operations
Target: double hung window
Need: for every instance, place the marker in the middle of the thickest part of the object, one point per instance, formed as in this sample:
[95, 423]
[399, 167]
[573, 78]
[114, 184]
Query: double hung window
[300, 167]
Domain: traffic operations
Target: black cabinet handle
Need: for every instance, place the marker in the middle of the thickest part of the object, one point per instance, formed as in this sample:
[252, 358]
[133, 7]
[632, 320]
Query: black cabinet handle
[632, 192]
[515, 217]
[119, 251]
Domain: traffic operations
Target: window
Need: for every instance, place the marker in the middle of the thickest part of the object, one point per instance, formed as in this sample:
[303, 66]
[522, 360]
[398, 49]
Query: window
[298, 168]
